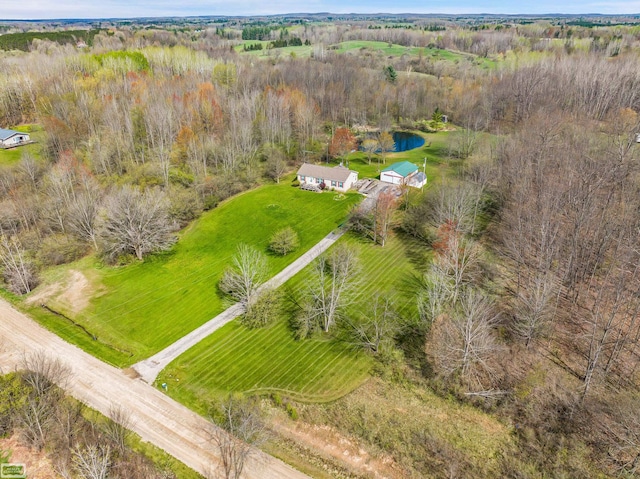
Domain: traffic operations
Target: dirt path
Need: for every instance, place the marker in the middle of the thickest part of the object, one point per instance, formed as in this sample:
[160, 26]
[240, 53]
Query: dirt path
[157, 418]
[151, 367]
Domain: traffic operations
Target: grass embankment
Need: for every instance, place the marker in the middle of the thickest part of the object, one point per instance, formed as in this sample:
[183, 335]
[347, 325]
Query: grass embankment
[13, 155]
[420, 430]
[139, 309]
[271, 360]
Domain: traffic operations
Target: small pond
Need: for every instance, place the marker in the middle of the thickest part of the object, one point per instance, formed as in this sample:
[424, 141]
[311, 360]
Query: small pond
[407, 141]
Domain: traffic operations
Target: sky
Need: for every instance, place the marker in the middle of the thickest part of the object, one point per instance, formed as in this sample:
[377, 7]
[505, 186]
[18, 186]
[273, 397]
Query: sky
[47, 9]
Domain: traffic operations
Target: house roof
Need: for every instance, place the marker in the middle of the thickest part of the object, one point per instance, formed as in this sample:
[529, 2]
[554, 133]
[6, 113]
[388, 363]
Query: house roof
[337, 173]
[418, 178]
[403, 168]
[6, 134]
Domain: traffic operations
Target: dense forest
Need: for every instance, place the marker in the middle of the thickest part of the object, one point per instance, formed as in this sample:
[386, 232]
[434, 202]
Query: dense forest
[529, 309]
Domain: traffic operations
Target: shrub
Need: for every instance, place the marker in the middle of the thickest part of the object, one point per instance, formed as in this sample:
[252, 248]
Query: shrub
[60, 249]
[284, 241]
[264, 310]
[292, 411]
[295, 183]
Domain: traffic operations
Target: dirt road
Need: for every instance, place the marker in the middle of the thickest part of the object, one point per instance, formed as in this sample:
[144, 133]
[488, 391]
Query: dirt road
[151, 367]
[157, 418]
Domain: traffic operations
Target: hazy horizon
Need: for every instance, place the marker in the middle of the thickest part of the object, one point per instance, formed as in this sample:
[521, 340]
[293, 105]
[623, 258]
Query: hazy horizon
[66, 9]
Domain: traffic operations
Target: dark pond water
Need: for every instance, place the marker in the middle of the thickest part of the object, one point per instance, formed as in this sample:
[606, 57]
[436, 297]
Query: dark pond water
[407, 141]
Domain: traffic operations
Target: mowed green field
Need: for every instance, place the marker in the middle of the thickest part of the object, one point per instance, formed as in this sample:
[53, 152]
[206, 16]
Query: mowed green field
[141, 308]
[271, 360]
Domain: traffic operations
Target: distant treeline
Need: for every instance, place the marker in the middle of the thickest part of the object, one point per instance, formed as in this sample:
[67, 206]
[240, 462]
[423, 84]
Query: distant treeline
[256, 33]
[22, 41]
[292, 42]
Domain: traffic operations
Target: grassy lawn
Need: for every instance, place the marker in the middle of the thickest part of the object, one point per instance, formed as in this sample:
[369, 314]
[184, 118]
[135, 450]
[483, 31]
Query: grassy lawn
[139, 309]
[237, 359]
[434, 150]
[13, 155]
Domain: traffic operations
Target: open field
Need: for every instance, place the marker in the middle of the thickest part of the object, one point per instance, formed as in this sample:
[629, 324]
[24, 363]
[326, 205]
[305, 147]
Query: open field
[362, 47]
[433, 54]
[13, 155]
[143, 307]
[303, 51]
[270, 360]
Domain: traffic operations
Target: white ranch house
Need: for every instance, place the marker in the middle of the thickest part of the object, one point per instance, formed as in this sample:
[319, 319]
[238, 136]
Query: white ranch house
[403, 173]
[337, 178]
[11, 138]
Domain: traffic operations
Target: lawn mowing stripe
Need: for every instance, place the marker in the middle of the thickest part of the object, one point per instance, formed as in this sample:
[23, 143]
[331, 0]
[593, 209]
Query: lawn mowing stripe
[273, 338]
[274, 355]
[270, 378]
[220, 345]
[241, 351]
[298, 383]
[258, 377]
[281, 360]
[282, 339]
[312, 380]
[338, 376]
[226, 353]
[348, 372]
[301, 360]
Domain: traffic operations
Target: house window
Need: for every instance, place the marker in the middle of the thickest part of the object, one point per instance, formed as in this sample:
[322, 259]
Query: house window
[340, 184]
[301, 177]
[318, 180]
[333, 183]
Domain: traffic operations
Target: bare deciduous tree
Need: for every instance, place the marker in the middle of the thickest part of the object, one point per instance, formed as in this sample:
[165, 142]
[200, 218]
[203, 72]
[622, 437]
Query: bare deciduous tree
[82, 215]
[370, 146]
[385, 206]
[464, 342]
[456, 262]
[134, 222]
[332, 288]
[535, 306]
[118, 427]
[386, 144]
[377, 328]
[242, 281]
[18, 270]
[237, 431]
[42, 373]
[92, 461]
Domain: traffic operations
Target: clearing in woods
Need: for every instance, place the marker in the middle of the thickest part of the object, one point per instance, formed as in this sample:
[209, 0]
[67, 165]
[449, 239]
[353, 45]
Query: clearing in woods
[139, 309]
